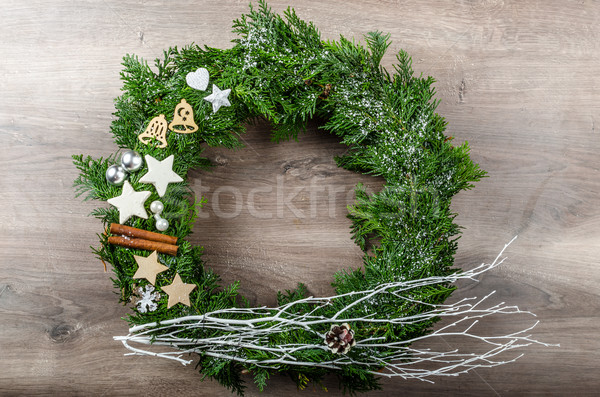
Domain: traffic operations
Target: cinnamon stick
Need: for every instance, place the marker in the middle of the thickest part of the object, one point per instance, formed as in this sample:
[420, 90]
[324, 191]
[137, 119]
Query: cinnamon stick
[123, 230]
[139, 243]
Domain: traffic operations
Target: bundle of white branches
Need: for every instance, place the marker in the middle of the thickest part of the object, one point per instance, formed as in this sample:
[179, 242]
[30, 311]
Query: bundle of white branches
[399, 359]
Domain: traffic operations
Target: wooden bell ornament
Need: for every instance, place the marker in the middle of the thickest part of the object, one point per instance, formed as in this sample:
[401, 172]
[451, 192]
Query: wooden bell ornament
[183, 119]
[157, 129]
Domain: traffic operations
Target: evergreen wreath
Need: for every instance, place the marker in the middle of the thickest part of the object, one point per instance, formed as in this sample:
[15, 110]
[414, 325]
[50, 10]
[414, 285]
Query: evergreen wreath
[280, 70]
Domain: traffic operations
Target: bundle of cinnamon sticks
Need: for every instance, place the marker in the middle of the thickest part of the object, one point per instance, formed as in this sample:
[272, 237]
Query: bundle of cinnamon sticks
[131, 237]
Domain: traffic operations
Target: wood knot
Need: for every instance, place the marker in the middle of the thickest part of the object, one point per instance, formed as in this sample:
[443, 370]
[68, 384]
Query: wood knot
[62, 333]
[221, 160]
[462, 90]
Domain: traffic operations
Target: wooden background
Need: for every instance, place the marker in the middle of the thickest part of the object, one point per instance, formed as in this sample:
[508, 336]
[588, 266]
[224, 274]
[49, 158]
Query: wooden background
[518, 79]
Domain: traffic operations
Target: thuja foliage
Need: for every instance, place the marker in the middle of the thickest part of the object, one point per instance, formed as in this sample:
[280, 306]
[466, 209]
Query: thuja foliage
[280, 69]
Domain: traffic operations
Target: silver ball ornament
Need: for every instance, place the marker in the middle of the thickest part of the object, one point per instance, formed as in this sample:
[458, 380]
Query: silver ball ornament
[116, 175]
[131, 161]
[162, 224]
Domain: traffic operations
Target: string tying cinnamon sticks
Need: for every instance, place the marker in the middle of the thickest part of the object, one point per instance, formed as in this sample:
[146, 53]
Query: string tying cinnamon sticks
[131, 237]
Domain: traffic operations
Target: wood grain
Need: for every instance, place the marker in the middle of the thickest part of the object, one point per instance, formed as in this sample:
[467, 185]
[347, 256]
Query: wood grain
[517, 79]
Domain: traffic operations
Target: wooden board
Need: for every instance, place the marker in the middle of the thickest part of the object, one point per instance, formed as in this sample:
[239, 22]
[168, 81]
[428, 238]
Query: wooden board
[518, 79]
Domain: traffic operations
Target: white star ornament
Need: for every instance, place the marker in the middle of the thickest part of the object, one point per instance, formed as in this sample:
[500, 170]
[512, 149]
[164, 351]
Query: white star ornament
[218, 98]
[160, 174]
[130, 203]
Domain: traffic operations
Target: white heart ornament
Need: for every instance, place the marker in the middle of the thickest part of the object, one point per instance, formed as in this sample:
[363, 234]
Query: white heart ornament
[198, 79]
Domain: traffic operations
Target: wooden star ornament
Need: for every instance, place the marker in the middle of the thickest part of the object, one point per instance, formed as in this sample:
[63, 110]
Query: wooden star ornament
[178, 291]
[149, 267]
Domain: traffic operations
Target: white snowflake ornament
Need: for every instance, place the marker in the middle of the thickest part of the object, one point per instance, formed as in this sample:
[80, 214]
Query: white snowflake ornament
[218, 98]
[148, 298]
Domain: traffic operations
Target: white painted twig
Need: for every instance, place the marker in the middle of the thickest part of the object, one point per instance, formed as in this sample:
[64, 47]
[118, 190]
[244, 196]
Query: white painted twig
[387, 359]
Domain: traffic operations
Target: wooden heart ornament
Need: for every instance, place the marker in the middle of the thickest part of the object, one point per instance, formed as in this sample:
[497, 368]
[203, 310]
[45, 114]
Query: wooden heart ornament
[198, 80]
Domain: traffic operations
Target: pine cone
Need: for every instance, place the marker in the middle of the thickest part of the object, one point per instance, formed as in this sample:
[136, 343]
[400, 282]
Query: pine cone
[340, 338]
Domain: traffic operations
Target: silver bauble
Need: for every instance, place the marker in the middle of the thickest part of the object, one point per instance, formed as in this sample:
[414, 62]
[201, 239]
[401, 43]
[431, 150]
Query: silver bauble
[131, 161]
[116, 175]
